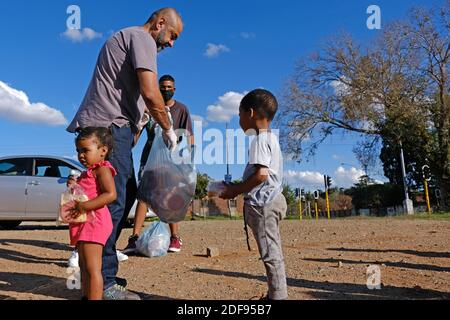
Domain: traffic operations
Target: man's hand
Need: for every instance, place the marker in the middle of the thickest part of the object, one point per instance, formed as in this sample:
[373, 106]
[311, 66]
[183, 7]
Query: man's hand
[172, 139]
[230, 192]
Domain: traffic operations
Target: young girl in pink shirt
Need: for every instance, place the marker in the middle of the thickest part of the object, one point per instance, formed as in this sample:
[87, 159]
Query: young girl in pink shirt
[93, 146]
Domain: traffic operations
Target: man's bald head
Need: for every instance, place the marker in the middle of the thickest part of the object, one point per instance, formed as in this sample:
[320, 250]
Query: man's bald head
[169, 14]
[165, 26]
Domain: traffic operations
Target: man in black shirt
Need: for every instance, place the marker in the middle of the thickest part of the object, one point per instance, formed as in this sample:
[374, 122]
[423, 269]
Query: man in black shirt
[181, 120]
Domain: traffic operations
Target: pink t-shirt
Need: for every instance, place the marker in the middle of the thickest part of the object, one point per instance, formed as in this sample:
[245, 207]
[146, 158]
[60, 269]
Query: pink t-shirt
[99, 226]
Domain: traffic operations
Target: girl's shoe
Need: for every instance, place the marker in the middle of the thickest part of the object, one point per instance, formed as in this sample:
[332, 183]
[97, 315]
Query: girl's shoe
[73, 260]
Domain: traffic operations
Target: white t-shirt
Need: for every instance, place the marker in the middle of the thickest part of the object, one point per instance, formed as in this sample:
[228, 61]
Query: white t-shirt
[265, 151]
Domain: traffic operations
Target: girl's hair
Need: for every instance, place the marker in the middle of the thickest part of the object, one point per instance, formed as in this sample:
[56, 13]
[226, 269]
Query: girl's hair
[102, 135]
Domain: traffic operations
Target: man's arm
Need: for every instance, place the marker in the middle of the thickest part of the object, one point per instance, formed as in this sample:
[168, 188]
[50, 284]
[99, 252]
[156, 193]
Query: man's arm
[152, 97]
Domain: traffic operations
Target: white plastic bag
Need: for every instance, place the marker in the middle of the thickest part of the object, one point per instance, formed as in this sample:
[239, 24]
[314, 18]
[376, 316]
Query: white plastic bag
[155, 240]
[169, 180]
[73, 194]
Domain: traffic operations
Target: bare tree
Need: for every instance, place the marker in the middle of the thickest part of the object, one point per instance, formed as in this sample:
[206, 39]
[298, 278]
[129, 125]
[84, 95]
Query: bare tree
[430, 36]
[376, 91]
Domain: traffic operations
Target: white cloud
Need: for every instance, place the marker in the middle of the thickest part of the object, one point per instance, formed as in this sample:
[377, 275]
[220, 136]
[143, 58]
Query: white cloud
[225, 108]
[341, 178]
[308, 179]
[248, 35]
[86, 34]
[15, 106]
[341, 89]
[336, 157]
[347, 177]
[197, 118]
[214, 50]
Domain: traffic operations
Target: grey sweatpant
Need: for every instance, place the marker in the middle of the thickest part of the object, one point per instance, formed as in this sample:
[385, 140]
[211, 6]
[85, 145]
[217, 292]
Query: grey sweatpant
[264, 222]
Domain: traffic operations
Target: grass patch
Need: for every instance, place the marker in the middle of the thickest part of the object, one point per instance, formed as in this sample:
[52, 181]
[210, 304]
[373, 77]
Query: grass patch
[417, 216]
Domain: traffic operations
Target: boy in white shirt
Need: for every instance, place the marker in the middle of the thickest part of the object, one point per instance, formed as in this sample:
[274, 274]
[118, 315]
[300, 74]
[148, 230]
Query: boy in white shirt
[265, 205]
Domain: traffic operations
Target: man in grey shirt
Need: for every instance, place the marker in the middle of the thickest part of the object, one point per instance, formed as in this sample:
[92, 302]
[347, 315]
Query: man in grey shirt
[125, 82]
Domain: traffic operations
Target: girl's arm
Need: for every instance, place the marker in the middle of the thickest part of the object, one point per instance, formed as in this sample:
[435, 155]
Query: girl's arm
[259, 177]
[108, 193]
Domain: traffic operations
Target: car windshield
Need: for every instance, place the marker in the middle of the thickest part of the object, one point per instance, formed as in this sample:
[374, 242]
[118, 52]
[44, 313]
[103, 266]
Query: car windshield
[74, 162]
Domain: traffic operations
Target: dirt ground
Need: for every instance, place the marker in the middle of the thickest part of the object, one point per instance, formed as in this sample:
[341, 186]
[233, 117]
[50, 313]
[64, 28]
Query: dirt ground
[324, 260]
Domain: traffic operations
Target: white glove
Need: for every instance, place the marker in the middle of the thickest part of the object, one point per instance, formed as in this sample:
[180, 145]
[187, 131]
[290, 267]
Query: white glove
[145, 119]
[171, 138]
[169, 115]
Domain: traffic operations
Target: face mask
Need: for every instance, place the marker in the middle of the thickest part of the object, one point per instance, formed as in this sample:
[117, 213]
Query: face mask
[167, 95]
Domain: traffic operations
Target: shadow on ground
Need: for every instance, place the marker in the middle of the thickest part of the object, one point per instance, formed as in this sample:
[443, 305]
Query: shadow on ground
[52, 287]
[36, 243]
[342, 291]
[425, 254]
[405, 265]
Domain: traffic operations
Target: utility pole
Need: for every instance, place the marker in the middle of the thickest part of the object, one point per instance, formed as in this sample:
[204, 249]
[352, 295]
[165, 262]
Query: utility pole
[228, 177]
[426, 179]
[407, 204]
[316, 208]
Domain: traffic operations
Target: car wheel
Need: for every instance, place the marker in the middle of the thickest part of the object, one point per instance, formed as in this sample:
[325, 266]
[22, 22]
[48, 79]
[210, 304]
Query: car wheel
[9, 225]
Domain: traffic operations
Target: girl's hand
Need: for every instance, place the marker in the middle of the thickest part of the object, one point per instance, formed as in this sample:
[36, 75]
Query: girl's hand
[229, 193]
[77, 210]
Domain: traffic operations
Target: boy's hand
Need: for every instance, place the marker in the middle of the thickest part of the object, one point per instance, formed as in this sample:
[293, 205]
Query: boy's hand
[230, 192]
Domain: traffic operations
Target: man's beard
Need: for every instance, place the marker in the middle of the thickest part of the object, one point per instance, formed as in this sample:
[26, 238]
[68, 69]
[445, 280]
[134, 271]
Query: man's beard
[160, 41]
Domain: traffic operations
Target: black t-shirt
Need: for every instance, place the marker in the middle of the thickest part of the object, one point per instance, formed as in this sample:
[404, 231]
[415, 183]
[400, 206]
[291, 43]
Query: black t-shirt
[181, 120]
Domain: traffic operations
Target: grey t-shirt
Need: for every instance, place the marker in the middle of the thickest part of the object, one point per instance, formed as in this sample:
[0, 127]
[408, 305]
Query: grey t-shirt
[114, 96]
[265, 151]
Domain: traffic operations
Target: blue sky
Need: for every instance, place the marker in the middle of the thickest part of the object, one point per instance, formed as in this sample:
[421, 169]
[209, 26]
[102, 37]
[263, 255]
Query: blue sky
[258, 44]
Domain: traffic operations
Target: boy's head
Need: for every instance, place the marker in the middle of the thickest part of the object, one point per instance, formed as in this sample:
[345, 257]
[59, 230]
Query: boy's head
[257, 110]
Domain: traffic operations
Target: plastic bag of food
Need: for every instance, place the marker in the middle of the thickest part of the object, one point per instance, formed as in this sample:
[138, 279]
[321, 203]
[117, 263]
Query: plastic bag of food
[169, 180]
[73, 194]
[155, 240]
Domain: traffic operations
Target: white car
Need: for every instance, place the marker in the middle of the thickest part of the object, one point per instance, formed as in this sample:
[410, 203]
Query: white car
[31, 187]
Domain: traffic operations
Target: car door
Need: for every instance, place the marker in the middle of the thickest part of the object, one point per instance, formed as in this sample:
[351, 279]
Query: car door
[14, 173]
[45, 187]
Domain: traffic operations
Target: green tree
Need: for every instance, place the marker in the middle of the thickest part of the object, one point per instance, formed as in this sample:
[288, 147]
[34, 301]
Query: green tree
[201, 190]
[289, 194]
[376, 197]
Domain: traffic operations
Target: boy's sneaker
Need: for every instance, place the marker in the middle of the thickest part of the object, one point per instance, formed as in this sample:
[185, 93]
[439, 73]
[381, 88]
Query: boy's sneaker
[121, 257]
[131, 247]
[117, 292]
[73, 260]
[175, 244]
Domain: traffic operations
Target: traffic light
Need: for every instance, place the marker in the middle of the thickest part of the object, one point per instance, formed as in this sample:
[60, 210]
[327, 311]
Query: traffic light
[316, 194]
[297, 193]
[426, 172]
[328, 182]
[302, 194]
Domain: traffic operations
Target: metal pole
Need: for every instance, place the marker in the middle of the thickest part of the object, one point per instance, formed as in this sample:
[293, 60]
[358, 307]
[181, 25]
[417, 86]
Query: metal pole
[300, 208]
[402, 160]
[317, 211]
[407, 204]
[427, 194]
[328, 204]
